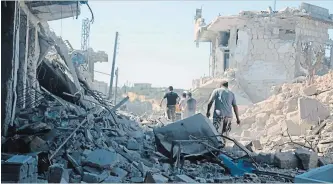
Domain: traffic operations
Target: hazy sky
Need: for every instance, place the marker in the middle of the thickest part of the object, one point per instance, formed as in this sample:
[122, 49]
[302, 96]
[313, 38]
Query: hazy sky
[156, 38]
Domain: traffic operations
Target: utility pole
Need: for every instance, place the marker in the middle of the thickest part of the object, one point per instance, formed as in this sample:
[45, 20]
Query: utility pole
[113, 64]
[115, 90]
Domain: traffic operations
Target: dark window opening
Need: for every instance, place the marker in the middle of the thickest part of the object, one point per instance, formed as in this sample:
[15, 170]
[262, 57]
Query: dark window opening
[224, 38]
[287, 34]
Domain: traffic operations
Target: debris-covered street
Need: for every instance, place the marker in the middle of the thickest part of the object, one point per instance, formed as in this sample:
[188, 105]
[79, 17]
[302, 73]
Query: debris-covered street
[60, 125]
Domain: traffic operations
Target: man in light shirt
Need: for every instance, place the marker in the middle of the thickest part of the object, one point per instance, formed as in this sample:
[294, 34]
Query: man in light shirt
[182, 105]
[191, 105]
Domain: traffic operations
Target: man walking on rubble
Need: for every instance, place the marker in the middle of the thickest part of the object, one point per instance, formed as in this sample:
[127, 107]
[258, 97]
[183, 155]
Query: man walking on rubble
[224, 103]
[191, 105]
[172, 100]
[182, 105]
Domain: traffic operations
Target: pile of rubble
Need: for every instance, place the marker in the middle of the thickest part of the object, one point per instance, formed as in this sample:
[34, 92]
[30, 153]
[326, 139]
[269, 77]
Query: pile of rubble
[69, 143]
[297, 117]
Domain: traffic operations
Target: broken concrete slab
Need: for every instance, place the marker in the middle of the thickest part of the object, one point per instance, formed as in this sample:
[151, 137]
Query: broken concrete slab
[308, 159]
[311, 110]
[197, 125]
[57, 174]
[38, 144]
[286, 160]
[101, 158]
[132, 144]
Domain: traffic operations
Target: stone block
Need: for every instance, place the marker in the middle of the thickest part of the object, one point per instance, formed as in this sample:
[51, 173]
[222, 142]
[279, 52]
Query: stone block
[311, 110]
[132, 144]
[57, 174]
[308, 159]
[286, 160]
[184, 178]
[265, 158]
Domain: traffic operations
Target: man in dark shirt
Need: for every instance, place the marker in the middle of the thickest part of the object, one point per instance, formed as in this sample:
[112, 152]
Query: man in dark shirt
[172, 100]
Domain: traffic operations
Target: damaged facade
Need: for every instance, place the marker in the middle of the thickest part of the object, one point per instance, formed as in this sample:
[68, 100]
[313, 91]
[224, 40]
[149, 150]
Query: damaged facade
[264, 47]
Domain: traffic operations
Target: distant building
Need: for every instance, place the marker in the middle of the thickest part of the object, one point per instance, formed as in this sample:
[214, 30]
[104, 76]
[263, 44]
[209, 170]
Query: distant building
[101, 87]
[142, 86]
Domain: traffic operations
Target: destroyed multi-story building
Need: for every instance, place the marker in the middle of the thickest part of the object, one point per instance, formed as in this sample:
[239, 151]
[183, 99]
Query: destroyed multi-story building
[264, 47]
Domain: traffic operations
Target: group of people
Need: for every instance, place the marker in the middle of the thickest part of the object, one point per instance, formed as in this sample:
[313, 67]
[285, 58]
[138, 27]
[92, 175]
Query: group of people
[187, 104]
[225, 105]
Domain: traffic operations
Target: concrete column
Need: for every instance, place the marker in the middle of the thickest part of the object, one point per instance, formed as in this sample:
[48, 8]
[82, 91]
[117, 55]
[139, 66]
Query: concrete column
[23, 57]
[33, 56]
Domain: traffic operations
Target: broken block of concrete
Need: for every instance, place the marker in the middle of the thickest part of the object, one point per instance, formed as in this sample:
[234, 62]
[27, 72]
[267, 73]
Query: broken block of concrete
[19, 169]
[101, 158]
[325, 160]
[132, 144]
[308, 159]
[184, 178]
[286, 160]
[57, 174]
[311, 110]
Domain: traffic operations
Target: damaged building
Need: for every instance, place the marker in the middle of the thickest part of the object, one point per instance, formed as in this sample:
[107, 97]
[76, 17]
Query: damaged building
[265, 47]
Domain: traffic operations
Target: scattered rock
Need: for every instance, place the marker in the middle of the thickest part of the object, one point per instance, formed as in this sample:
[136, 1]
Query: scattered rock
[286, 160]
[265, 158]
[308, 159]
[57, 174]
[311, 110]
[132, 144]
[101, 158]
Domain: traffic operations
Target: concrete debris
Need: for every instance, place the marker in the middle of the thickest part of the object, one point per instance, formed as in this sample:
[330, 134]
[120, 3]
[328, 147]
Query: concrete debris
[308, 159]
[286, 160]
[296, 116]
